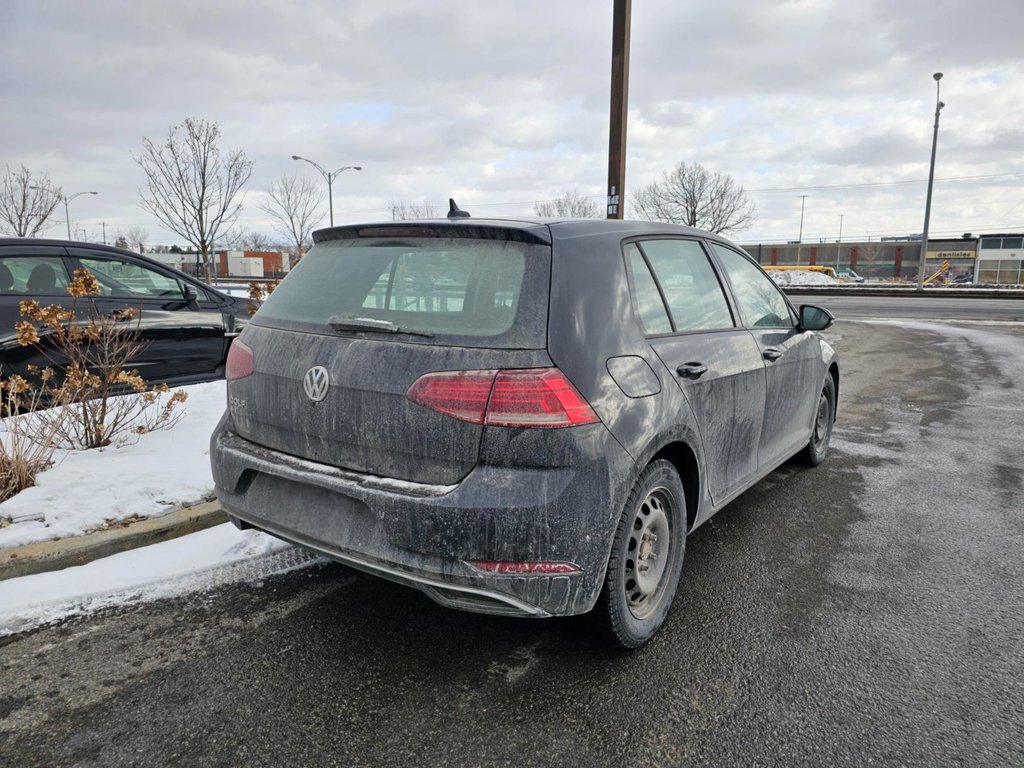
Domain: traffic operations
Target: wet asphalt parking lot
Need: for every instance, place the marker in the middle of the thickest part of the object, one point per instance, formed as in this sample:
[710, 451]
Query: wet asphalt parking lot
[867, 612]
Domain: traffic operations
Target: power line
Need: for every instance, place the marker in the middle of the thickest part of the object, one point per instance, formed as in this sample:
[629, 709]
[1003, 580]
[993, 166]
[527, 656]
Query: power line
[887, 183]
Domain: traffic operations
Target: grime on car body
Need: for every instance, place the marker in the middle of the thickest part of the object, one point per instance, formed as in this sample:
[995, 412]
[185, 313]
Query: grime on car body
[522, 417]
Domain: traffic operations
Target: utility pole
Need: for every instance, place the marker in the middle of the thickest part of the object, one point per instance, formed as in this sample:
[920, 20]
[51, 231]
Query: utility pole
[931, 180]
[800, 237]
[104, 225]
[839, 242]
[617, 114]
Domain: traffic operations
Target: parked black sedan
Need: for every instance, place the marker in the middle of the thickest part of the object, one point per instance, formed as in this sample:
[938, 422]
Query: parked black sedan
[186, 324]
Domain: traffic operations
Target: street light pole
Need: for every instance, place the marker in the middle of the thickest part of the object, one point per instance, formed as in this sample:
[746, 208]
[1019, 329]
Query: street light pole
[330, 176]
[66, 199]
[67, 216]
[839, 242]
[800, 237]
[931, 180]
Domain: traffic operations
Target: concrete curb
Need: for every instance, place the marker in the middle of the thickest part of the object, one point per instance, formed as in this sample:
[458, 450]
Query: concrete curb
[78, 550]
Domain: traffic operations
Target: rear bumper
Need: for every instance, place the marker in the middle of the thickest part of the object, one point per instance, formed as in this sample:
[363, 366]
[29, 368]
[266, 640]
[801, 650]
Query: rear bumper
[426, 535]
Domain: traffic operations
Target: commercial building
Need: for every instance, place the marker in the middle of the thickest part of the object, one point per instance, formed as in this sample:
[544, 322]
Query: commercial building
[887, 259]
[999, 259]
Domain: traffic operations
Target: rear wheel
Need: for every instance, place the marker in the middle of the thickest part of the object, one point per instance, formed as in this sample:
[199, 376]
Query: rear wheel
[646, 558]
[824, 416]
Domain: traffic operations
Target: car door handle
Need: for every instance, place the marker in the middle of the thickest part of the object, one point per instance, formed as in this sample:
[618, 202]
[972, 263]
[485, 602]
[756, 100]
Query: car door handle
[772, 353]
[692, 370]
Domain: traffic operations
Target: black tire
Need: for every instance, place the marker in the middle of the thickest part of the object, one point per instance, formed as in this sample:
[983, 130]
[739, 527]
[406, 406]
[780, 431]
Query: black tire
[634, 602]
[824, 417]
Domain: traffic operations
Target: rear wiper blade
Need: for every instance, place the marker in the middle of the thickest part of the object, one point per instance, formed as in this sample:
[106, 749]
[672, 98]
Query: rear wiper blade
[371, 324]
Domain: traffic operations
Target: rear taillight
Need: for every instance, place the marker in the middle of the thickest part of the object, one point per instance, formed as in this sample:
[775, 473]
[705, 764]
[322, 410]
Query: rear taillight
[537, 397]
[240, 362]
[529, 397]
[462, 394]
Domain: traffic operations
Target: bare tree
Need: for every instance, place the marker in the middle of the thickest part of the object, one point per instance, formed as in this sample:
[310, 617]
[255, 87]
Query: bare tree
[295, 205]
[571, 205]
[26, 202]
[691, 194]
[191, 188]
[135, 237]
[230, 239]
[255, 241]
[403, 211]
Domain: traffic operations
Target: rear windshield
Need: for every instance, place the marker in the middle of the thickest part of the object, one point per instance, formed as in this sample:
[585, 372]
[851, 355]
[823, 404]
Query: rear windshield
[481, 293]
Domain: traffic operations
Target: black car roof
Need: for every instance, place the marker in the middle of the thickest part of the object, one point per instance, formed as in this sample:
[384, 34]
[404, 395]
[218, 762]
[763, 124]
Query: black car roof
[66, 244]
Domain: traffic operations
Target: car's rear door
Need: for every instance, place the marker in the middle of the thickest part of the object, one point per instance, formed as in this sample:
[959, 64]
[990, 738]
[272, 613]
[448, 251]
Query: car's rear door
[793, 365]
[718, 367]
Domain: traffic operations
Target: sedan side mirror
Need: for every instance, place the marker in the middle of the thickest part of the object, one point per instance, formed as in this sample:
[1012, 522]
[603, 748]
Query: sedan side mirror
[814, 318]
[191, 295]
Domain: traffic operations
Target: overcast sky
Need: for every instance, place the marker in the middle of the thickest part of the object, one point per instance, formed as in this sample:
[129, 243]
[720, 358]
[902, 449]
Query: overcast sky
[500, 103]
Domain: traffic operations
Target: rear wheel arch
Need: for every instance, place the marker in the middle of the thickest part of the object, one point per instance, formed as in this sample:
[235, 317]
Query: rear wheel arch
[683, 458]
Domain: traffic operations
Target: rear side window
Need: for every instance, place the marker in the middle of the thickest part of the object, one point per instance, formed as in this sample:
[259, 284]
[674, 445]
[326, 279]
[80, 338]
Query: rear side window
[650, 307]
[33, 276]
[487, 293]
[696, 301]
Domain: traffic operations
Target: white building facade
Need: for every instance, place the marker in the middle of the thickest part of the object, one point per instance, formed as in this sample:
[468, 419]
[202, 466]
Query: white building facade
[999, 259]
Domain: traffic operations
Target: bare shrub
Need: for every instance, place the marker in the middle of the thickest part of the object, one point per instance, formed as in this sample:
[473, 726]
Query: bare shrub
[92, 399]
[258, 292]
[26, 447]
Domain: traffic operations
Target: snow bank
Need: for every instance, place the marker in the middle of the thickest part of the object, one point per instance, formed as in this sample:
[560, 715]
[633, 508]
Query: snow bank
[801, 277]
[192, 563]
[151, 476]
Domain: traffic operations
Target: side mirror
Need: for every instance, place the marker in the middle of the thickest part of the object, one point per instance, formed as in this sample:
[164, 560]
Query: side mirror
[814, 318]
[191, 295]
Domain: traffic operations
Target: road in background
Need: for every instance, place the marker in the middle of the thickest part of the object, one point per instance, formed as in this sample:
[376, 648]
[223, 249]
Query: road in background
[868, 611]
[855, 307]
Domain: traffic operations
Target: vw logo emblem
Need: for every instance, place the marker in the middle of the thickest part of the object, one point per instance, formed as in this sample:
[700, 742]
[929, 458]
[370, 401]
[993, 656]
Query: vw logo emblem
[316, 382]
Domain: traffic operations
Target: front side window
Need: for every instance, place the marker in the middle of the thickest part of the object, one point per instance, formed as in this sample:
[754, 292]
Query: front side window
[761, 303]
[125, 279]
[695, 298]
[33, 276]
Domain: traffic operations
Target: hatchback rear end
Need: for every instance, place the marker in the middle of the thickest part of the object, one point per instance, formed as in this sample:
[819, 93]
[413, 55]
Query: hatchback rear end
[394, 406]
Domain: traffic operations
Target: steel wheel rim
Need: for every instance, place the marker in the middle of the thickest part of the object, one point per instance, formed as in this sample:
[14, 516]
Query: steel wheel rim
[649, 553]
[821, 422]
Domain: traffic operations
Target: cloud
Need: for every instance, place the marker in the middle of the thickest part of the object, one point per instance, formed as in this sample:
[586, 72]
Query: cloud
[507, 102]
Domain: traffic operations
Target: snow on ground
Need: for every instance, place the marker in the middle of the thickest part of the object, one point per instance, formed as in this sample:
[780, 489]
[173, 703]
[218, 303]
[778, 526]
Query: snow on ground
[801, 277]
[147, 477]
[192, 563]
[233, 289]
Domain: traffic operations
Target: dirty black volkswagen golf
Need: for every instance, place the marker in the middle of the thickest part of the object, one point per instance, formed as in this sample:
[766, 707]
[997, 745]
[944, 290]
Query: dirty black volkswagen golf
[519, 417]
